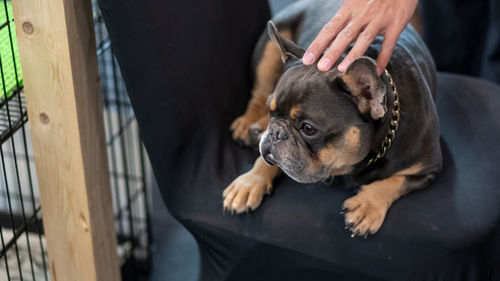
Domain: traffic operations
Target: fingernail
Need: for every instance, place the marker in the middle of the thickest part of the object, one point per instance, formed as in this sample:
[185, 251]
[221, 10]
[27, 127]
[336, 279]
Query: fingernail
[343, 65]
[308, 58]
[324, 64]
[379, 71]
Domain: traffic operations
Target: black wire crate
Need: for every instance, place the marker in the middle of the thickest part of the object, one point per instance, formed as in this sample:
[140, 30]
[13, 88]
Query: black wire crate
[130, 171]
[23, 248]
[23, 252]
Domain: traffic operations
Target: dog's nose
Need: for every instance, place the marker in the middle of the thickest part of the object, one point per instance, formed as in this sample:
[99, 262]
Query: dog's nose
[269, 158]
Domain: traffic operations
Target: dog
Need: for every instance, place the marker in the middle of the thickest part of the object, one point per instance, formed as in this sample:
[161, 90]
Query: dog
[377, 133]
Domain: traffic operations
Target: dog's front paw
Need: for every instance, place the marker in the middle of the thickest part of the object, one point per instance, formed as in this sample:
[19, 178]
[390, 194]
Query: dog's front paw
[245, 193]
[256, 129]
[363, 215]
[240, 128]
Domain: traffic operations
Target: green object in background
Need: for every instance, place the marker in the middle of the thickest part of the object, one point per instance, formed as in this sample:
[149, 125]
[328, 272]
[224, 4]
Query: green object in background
[6, 53]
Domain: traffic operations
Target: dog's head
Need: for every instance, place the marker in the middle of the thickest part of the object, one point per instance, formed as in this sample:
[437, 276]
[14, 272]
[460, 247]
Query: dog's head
[321, 122]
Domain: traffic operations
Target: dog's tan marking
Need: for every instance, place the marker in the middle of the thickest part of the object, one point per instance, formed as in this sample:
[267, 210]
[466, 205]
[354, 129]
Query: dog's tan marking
[366, 211]
[268, 71]
[351, 138]
[339, 156]
[272, 104]
[413, 170]
[333, 158]
[246, 191]
[329, 154]
[295, 111]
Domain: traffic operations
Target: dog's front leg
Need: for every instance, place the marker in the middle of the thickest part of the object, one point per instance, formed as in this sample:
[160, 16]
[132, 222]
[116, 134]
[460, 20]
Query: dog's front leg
[248, 127]
[245, 193]
[365, 212]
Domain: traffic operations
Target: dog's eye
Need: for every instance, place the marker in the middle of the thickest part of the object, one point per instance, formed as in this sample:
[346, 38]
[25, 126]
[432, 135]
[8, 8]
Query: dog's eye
[308, 129]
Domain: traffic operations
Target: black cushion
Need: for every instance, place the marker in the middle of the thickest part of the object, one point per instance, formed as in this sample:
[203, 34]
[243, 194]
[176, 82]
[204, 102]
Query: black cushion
[186, 67]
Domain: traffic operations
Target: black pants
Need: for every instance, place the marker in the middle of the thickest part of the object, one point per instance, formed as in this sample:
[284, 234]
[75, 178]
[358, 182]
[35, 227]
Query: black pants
[464, 36]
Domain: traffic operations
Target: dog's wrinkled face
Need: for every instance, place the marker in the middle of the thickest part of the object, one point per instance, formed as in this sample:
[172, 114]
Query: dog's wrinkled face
[315, 129]
[321, 122]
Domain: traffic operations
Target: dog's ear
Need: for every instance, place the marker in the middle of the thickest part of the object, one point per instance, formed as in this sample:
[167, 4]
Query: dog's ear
[289, 50]
[366, 87]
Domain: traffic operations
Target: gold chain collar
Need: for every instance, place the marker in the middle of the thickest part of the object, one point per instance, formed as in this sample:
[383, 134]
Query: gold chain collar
[386, 144]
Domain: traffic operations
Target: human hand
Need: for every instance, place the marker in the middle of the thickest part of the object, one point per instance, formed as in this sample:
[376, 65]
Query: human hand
[360, 20]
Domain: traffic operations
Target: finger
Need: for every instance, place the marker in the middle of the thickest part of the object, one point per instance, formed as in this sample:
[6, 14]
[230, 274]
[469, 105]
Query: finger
[324, 38]
[344, 38]
[390, 39]
[363, 41]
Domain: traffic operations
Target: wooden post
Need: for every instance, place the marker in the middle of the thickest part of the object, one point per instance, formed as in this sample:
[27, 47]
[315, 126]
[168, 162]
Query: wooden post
[59, 63]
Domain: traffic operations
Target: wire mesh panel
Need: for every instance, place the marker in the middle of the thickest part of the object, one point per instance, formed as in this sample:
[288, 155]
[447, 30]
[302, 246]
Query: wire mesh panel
[23, 254]
[23, 251]
[128, 167]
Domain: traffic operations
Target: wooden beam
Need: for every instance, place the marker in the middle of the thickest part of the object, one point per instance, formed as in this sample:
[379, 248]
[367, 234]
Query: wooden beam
[59, 63]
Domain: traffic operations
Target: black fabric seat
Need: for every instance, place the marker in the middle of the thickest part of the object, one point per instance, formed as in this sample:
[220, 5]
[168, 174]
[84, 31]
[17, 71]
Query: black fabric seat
[186, 66]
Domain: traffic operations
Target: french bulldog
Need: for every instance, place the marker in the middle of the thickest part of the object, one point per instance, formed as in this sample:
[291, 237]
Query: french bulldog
[378, 133]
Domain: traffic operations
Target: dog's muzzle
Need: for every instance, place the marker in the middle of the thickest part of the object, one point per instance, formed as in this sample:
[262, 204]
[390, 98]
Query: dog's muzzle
[275, 133]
